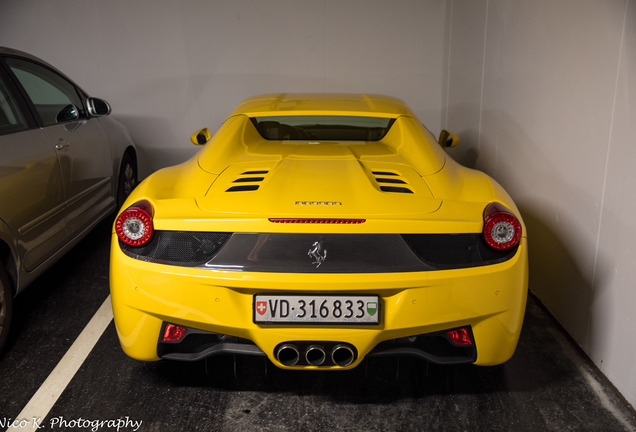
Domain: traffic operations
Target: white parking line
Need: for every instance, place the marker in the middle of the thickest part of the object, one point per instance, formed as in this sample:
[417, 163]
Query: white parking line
[38, 407]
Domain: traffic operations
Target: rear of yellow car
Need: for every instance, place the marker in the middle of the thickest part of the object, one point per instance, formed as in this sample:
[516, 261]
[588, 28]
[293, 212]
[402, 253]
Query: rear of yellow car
[319, 253]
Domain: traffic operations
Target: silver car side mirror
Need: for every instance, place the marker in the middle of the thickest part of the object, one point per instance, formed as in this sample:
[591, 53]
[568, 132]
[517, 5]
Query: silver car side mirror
[97, 107]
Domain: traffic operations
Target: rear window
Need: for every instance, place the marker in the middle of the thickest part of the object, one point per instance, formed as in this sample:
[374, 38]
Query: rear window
[323, 128]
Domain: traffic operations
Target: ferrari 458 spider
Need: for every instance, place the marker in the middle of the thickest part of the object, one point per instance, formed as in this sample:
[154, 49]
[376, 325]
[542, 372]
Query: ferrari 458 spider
[320, 230]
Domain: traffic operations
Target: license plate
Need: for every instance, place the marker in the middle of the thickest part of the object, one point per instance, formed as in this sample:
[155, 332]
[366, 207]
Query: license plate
[316, 309]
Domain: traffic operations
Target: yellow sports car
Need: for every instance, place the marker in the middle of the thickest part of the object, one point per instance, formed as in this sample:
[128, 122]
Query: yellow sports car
[319, 230]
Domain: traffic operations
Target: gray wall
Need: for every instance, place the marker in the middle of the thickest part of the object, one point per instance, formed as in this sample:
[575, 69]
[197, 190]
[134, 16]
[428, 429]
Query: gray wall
[539, 91]
[543, 94]
[171, 67]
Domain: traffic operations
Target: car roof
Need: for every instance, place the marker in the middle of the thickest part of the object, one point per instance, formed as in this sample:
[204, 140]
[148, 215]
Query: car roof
[351, 104]
[14, 52]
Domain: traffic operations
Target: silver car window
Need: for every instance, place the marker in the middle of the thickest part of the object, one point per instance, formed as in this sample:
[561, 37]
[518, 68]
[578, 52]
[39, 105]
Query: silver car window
[50, 93]
[11, 119]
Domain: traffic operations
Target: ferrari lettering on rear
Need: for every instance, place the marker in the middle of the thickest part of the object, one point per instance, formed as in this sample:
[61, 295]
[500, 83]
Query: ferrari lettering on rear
[318, 203]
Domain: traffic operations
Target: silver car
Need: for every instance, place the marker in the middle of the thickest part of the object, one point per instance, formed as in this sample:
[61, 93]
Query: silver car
[65, 164]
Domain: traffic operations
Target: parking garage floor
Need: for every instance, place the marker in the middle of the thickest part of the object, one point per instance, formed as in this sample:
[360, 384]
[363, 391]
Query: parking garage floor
[549, 385]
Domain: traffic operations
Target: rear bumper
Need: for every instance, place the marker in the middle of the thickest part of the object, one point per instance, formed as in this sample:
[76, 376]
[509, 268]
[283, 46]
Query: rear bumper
[489, 299]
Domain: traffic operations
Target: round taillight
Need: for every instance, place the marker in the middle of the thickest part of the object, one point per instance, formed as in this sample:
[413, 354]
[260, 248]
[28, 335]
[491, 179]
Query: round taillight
[502, 229]
[134, 225]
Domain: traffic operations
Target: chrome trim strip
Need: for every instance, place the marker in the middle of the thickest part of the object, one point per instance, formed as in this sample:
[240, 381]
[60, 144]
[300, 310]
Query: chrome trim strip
[24, 229]
[80, 196]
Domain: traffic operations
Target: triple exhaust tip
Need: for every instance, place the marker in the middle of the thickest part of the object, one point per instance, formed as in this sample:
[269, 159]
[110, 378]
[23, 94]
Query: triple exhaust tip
[315, 355]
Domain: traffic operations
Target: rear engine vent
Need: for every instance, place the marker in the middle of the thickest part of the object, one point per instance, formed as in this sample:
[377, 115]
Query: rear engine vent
[242, 188]
[390, 180]
[249, 181]
[387, 181]
[395, 189]
[254, 172]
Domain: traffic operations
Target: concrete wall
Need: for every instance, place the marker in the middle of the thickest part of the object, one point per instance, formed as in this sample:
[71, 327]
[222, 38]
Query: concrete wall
[539, 92]
[171, 67]
[542, 94]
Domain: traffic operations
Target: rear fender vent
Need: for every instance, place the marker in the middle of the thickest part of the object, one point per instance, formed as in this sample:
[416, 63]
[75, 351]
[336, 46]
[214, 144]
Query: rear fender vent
[248, 181]
[243, 188]
[389, 181]
[395, 189]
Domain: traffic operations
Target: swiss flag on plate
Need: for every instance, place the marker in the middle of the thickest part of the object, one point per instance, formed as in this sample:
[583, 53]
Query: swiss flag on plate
[261, 307]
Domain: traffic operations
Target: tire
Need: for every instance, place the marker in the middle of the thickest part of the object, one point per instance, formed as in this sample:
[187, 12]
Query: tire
[127, 178]
[6, 306]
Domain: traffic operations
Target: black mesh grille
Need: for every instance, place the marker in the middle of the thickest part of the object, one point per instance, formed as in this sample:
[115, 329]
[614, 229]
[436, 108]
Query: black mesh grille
[179, 247]
[447, 251]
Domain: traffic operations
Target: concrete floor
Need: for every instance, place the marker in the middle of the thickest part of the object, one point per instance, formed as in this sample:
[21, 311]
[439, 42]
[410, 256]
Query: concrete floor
[549, 385]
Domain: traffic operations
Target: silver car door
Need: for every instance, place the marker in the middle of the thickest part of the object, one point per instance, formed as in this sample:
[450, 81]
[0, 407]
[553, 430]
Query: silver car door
[32, 214]
[80, 141]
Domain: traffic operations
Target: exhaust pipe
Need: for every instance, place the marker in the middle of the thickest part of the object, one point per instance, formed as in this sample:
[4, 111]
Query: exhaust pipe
[342, 355]
[315, 355]
[288, 355]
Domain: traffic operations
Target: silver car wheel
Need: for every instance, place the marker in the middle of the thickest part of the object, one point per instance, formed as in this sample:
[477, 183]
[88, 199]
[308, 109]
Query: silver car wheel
[130, 181]
[127, 178]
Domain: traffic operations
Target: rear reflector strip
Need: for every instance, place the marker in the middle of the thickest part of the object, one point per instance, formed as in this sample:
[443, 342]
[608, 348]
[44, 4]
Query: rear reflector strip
[173, 333]
[317, 220]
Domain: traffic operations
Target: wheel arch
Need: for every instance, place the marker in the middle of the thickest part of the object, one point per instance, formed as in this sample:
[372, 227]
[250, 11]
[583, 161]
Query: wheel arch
[8, 261]
[130, 154]
[130, 151]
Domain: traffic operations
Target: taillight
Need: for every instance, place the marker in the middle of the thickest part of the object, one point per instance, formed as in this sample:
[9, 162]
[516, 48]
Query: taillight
[502, 229]
[134, 225]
